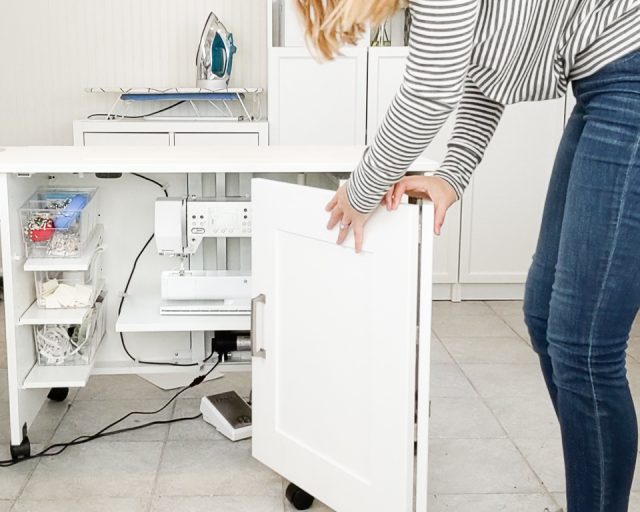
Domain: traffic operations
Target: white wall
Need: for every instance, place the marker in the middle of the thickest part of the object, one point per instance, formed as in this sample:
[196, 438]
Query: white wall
[50, 50]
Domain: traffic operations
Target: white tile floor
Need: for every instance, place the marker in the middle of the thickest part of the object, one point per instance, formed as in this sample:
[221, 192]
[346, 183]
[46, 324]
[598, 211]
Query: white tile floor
[495, 442]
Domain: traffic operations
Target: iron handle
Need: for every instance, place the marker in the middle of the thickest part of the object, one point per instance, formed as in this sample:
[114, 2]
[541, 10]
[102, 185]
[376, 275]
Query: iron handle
[255, 352]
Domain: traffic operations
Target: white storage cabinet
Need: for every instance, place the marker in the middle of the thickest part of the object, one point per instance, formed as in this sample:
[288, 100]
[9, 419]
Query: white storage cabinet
[317, 103]
[341, 102]
[489, 235]
[145, 132]
[386, 69]
[317, 312]
[141, 323]
[485, 248]
[311, 102]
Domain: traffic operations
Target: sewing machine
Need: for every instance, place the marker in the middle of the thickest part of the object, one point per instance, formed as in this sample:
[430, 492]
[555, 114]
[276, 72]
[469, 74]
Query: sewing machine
[180, 226]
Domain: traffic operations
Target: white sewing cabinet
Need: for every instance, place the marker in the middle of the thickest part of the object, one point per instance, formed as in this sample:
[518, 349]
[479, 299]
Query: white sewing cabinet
[340, 340]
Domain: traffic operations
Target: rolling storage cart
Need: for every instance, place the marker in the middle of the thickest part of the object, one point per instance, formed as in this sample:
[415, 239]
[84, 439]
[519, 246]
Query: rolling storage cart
[340, 341]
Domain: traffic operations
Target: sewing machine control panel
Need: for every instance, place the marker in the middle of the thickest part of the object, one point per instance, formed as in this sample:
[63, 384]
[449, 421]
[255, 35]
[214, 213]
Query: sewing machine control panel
[223, 219]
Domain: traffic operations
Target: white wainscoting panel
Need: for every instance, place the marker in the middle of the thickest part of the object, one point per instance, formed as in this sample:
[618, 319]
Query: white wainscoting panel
[50, 50]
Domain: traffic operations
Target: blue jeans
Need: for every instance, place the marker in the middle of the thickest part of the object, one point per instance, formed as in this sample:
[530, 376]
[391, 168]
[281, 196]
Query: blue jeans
[583, 287]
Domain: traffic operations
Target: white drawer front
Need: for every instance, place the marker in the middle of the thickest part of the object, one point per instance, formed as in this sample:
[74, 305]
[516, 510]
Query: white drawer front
[125, 139]
[217, 139]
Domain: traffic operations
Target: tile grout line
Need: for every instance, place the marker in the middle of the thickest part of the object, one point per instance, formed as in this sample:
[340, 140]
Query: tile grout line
[489, 494]
[484, 402]
[164, 447]
[528, 463]
[501, 316]
[551, 495]
[488, 339]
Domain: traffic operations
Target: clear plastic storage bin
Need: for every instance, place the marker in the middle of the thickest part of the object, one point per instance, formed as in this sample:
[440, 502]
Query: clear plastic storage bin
[69, 289]
[71, 345]
[58, 222]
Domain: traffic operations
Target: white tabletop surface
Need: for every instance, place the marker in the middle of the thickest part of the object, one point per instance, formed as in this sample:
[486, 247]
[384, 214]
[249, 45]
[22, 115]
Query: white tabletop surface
[196, 159]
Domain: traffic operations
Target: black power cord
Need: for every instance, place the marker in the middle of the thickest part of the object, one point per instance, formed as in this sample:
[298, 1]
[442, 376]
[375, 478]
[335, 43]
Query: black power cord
[58, 448]
[126, 289]
[113, 116]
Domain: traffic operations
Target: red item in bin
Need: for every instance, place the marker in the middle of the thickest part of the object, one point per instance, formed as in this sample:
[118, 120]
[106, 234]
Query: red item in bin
[44, 233]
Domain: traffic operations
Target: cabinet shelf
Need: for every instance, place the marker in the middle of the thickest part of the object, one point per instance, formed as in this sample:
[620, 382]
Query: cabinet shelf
[80, 263]
[141, 313]
[106, 366]
[133, 368]
[36, 315]
[44, 377]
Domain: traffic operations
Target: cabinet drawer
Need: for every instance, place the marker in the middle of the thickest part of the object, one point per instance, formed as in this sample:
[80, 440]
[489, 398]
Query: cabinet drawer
[217, 139]
[126, 139]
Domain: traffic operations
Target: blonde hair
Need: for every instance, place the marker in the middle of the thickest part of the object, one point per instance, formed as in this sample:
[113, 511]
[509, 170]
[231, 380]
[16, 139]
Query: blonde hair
[331, 24]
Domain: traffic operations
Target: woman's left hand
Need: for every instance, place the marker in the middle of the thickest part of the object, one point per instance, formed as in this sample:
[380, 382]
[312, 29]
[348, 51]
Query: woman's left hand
[342, 212]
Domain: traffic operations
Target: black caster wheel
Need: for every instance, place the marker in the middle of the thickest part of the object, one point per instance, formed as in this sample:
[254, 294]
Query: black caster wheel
[298, 498]
[58, 394]
[21, 451]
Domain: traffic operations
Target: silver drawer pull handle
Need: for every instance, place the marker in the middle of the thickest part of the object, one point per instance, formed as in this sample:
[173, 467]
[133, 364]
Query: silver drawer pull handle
[255, 352]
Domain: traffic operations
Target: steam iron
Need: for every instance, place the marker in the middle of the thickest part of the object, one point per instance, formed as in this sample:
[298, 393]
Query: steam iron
[215, 55]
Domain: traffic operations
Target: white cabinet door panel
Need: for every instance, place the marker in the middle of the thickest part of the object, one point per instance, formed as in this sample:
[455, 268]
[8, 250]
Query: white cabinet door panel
[317, 103]
[125, 139]
[333, 396]
[502, 208]
[386, 69]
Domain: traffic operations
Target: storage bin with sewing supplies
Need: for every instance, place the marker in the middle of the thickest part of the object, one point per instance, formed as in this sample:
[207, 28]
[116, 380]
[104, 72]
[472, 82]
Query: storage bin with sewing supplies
[71, 344]
[58, 222]
[69, 288]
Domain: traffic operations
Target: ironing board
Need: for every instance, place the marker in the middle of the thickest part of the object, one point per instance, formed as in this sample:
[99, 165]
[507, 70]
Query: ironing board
[192, 95]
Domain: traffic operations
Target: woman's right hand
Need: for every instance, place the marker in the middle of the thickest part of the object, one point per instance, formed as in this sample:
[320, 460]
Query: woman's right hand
[435, 188]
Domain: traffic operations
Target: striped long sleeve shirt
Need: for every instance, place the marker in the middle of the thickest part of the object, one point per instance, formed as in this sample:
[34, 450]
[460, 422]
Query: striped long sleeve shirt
[479, 56]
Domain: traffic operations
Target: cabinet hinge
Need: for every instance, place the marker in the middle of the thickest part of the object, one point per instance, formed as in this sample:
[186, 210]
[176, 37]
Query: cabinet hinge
[420, 221]
[419, 272]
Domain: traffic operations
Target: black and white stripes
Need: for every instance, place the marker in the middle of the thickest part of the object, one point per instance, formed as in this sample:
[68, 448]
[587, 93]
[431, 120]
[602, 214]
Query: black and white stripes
[479, 55]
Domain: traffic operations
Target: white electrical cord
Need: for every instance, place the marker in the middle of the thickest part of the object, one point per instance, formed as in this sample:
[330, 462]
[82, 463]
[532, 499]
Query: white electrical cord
[56, 345]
